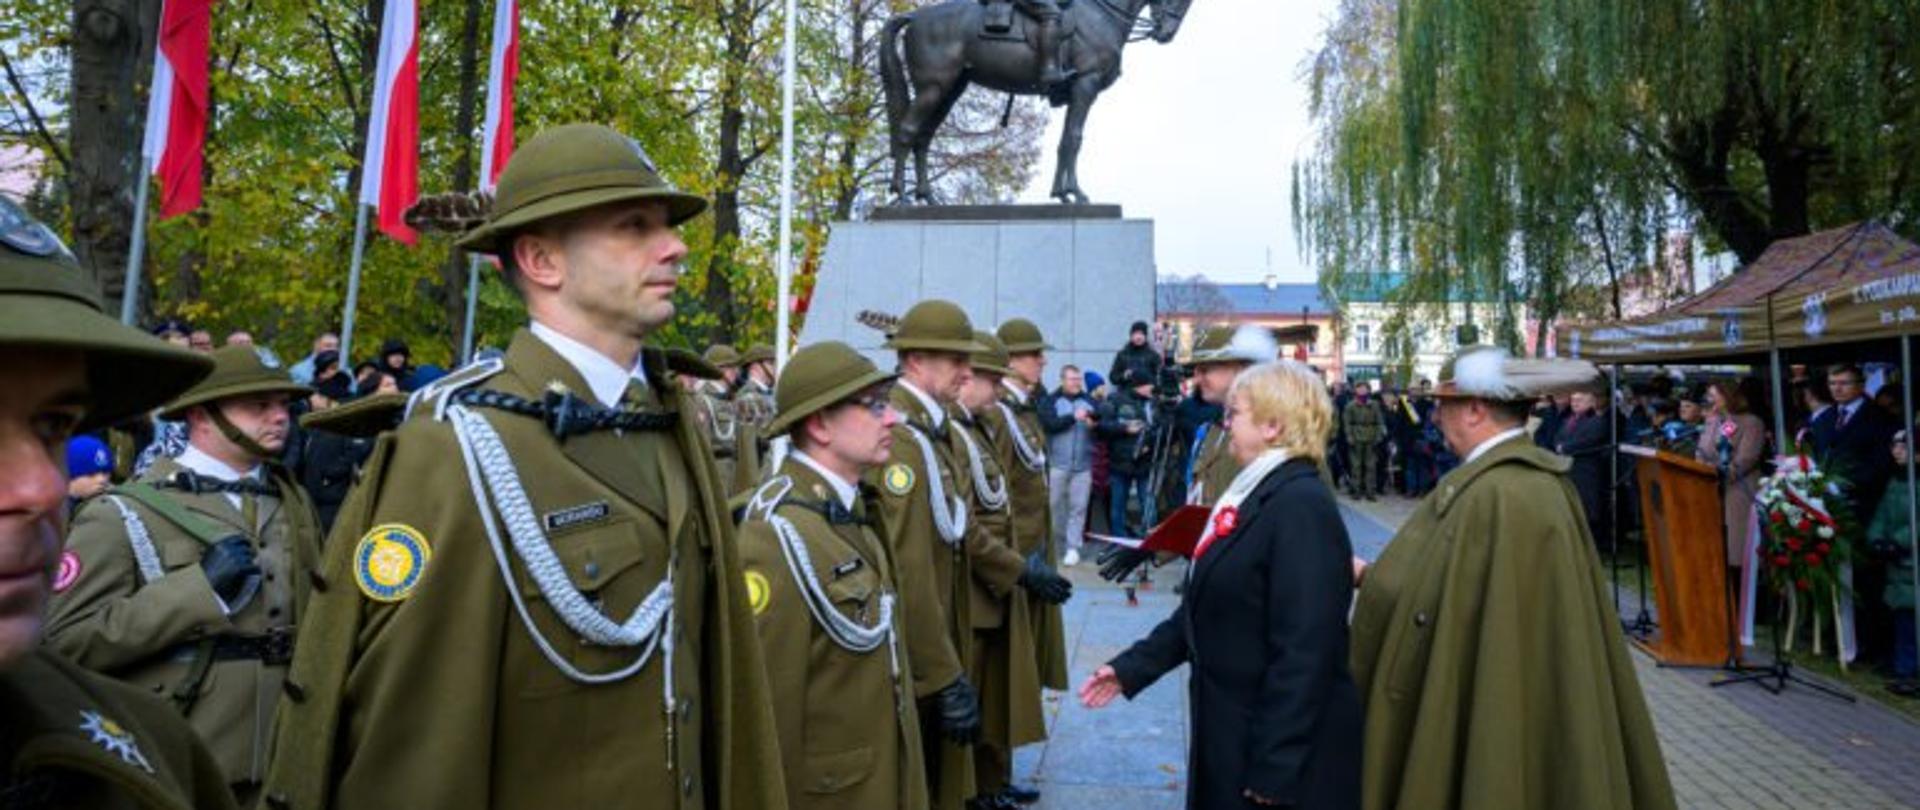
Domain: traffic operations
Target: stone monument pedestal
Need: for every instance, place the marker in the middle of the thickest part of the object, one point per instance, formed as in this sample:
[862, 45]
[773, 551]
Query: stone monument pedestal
[1083, 273]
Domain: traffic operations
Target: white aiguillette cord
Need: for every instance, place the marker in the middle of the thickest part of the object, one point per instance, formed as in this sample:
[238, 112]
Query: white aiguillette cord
[949, 516]
[992, 496]
[491, 474]
[1031, 457]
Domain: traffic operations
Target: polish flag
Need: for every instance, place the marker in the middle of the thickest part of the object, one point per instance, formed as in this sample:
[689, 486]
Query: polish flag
[390, 172]
[502, 69]
[177, 104]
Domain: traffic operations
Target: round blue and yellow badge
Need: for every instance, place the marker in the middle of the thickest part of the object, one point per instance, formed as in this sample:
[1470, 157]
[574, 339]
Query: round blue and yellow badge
[759, 592]
[389, 562]
[899, 479]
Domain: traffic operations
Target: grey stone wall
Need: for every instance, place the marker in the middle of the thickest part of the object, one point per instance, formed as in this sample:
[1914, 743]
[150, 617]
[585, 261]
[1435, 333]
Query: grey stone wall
[1083, 281]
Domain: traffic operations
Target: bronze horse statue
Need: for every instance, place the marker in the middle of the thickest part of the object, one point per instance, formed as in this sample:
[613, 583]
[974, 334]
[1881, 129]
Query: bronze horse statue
[947, 47]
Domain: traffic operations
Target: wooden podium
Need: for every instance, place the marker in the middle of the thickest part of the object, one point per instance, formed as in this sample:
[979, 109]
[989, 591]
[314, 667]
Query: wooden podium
[1680, 515]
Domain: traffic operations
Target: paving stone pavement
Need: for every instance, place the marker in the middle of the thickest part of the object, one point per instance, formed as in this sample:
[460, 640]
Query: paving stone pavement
[1731, 748]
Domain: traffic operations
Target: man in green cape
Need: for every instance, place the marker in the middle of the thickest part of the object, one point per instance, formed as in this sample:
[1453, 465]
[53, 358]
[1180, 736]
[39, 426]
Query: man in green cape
[1485, 642]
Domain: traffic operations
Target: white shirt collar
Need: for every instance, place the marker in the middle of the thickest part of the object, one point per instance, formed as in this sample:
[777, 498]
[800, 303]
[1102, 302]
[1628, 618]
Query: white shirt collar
[1491, 442]
[1816, 414]
[841, 487]
[606, 379]
[935, 411]
[1019, 394]
[200, 463]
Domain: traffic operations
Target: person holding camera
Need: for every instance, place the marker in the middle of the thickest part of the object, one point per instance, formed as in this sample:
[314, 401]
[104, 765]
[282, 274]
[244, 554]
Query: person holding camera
[1126, 422]
[189, 581]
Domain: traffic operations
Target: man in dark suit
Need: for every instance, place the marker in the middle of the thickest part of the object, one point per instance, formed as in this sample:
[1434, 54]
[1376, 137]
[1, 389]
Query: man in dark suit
[1850, 440]
[1586, 439]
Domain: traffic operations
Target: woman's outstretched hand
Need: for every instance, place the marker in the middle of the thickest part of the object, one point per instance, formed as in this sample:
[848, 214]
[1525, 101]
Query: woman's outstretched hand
[1100, 689]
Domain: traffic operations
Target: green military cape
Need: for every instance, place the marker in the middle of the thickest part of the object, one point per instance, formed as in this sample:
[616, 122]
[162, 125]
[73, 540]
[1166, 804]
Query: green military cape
[434, 695]
[1489, 656]
[44, 699]
[1008, 678]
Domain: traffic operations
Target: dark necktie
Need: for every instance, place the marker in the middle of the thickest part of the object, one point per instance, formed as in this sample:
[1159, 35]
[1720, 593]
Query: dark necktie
[1845, 414]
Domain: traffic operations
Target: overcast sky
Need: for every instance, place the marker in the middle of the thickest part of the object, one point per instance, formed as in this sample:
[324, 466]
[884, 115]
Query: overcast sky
[1168, 143]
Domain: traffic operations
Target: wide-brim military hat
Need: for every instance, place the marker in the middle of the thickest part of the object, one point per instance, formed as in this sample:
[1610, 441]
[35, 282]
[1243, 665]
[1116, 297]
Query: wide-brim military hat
[46, 301]
[571, 168]
[935, 326]
[756, 354]
[818, 377]
[1246, 344]
[1491, 373]
[992, 358]
[722, 356]
[1022, 336]
[237, 372]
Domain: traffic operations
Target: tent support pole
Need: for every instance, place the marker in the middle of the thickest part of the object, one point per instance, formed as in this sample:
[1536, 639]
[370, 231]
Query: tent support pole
[1781, 439]
[1913, 507]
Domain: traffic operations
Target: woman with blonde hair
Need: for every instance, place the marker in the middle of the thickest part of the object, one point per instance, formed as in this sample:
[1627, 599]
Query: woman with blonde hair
[1263, 619]
[1737, 439]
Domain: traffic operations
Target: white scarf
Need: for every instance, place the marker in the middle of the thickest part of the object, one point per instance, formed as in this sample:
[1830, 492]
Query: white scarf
[1243, 485]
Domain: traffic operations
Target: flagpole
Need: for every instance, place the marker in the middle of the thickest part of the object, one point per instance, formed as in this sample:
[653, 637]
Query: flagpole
[473, 302]
[353, 287]
[784, 307]
[130, 291]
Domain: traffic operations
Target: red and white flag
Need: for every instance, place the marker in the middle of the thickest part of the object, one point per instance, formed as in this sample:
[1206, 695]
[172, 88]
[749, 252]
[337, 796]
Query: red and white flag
[177, 104]
[390, 172]
[503, 68]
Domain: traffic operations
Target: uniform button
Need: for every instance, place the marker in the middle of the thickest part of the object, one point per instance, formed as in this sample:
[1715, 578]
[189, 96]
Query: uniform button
[1420, 619]
[273, 613]
[686, 710]
[318, 582]
[686, 785]
[593, 570]
[278, 800]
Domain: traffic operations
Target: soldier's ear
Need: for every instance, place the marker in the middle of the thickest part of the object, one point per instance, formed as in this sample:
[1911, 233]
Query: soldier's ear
[538, 260]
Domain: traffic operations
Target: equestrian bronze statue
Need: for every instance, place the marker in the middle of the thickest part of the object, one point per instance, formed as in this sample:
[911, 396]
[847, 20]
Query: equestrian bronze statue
[1066, 50]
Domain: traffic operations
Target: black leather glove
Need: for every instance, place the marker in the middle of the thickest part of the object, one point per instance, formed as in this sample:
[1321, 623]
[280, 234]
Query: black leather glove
[960, 712]
[233, 571]
[1118, 562]
[1045, 585]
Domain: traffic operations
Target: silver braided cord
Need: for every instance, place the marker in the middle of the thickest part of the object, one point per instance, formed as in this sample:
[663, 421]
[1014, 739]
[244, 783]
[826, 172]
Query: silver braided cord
[1033, 458]
[713, 418]
[144, 554]
[991, 496]
[949, 516]
[649, 627]
[848, 633]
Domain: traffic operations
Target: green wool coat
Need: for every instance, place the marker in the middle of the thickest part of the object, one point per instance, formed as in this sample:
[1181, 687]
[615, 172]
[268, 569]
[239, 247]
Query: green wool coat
[1890, 526]
[101, 744]
[441, 698]
[1489, 656]
[839, 749]
[1005, 669]
[1032, 524]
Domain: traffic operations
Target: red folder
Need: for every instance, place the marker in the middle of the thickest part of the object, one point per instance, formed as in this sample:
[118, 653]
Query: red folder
[1175, 535]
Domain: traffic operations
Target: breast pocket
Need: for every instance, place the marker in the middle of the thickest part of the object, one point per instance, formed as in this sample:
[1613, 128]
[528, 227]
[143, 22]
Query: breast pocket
[614, 564]
[832, 773]
[853, 593]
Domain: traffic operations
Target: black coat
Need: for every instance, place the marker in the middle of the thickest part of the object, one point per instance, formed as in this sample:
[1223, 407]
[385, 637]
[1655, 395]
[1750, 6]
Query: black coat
[1140, 363]
[1859, 453]
[1263, 621]
[1588, 443]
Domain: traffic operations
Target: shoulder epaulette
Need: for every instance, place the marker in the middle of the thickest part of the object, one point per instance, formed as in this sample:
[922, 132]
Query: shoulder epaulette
[436, 394]
[767, 498]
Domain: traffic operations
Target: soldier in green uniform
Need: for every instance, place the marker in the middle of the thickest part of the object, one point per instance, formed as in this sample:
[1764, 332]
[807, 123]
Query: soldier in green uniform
[753, 392]
[1485, 643]
[1366, 428]
[1015, 422]
[735, 441]
[533, 597]
[192, 577]
[825, 597]
[70, 737]
[1004, 663]
[928, 516]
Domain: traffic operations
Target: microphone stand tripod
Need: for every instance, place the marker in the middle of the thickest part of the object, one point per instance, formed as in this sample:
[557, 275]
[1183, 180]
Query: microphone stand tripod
[1775, 676]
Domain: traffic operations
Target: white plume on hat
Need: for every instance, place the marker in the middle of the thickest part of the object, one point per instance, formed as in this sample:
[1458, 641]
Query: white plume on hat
[1490, 372]
[1251, 344]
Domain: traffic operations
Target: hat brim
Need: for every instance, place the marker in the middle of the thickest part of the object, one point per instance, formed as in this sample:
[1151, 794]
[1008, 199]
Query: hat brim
[935, 345]
[490, 238]
[128, 371]
[177, 409]
[787, 418]
[993, 369]
[1217, 358]
[1028, 348]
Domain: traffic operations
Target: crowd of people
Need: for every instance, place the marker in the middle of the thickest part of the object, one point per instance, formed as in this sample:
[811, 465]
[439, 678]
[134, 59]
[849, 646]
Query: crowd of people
[584, 571]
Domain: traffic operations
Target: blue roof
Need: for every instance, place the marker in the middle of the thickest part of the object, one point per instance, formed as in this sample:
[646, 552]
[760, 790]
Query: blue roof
[1381, 288]
[1253, 299]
